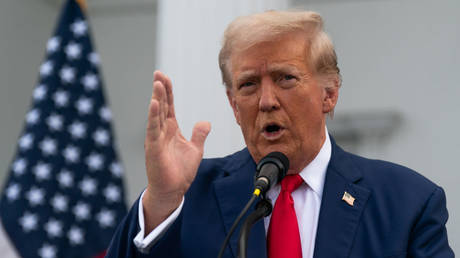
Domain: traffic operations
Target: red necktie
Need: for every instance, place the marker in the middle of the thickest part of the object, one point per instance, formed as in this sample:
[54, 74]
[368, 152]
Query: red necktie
[283, 232]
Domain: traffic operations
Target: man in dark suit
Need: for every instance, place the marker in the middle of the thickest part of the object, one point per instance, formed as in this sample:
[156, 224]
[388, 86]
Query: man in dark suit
[282, 79]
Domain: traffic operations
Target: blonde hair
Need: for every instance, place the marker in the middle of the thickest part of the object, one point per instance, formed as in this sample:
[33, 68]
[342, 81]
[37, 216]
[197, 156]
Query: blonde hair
[247, 31]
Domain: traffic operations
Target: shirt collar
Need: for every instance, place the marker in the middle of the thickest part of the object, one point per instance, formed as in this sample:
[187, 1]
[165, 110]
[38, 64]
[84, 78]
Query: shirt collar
[314, 173]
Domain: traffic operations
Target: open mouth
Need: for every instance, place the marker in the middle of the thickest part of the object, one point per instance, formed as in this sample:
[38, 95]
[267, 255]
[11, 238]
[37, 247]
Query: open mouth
[272, 131]
[272, 128]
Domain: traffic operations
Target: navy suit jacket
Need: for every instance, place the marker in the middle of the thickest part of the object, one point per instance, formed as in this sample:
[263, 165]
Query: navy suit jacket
[396, 213]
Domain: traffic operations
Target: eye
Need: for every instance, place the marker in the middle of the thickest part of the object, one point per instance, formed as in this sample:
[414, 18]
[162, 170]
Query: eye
[288, 77]
[287, 81]
[246, 84]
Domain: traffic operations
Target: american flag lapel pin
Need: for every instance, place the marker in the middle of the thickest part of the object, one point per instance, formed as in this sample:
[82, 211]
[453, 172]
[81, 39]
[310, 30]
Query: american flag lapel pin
[348, 198]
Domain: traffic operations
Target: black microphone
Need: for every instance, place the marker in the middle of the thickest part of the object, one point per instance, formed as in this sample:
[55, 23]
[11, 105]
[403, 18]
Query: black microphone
[270, 170]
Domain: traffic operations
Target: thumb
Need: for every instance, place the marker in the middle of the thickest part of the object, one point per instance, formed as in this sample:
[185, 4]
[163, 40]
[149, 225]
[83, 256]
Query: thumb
[199, 134]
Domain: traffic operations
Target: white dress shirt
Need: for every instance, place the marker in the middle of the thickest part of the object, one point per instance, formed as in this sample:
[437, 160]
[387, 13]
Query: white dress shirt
[307, 203]
[307, 198]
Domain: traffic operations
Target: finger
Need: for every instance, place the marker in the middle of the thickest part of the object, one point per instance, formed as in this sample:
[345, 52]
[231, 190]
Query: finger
[199, 134]
[154, 118]
[170, 96]
[160, 95]
[159, 76]
[153, 122]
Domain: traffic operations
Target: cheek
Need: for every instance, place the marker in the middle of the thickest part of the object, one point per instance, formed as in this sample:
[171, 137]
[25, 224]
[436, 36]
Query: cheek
[246, 108]
[305, 112]
[247, 115]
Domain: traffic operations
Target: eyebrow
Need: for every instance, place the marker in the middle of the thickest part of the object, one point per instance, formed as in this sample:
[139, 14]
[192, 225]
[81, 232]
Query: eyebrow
[245, 75]
[272, 68]
[286, 68]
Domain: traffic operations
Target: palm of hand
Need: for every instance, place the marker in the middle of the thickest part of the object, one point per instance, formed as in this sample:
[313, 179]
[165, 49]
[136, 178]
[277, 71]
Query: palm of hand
[171, 160]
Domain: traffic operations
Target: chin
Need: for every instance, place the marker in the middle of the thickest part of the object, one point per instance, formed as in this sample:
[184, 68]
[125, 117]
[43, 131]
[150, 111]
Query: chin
[292, 172]
[265, 150]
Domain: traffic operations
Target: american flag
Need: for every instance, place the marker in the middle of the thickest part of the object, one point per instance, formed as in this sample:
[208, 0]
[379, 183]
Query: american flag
[64, 196]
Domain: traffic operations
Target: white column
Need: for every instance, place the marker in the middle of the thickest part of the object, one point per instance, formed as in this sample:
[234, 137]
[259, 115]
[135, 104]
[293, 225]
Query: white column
[189, 36]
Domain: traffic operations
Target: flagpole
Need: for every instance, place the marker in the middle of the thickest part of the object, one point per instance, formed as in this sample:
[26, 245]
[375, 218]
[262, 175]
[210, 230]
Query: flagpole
[83, 4]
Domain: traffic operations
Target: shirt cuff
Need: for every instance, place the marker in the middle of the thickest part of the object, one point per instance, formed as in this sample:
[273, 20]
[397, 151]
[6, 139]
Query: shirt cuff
[144, 244]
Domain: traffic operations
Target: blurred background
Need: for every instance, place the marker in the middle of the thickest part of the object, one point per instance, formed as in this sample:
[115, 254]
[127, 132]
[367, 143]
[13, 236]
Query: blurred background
[400, 62]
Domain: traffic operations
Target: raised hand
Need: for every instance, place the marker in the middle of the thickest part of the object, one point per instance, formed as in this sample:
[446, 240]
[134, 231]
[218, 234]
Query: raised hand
[171, 161]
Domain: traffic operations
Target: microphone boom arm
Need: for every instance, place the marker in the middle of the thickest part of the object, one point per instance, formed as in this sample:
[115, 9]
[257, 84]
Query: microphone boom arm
[263, 209]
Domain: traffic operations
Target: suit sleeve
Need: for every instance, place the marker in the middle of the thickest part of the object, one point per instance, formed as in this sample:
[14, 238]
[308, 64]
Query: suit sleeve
[429, 235]
[122, 244]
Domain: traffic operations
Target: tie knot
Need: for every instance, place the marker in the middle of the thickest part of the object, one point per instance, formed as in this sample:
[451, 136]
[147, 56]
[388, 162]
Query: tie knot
[291, 182]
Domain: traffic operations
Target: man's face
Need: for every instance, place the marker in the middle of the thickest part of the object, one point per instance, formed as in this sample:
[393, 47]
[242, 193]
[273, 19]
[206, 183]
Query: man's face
[278, 102]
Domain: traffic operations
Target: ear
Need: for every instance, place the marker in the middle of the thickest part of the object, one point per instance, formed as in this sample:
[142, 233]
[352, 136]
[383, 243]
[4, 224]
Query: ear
[232, 101]
[330, 96]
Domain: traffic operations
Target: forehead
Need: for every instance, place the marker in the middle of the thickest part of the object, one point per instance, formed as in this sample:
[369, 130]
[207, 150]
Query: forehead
[286, 52]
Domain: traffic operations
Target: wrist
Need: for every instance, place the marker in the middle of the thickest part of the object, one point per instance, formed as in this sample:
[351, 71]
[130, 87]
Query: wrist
[158, 207]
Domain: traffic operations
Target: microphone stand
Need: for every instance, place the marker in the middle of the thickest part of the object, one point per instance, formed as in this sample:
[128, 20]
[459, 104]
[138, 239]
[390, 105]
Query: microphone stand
[263, 209]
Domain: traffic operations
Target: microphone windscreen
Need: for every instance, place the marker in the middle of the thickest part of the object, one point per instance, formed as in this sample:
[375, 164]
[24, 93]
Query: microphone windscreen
[281, 157]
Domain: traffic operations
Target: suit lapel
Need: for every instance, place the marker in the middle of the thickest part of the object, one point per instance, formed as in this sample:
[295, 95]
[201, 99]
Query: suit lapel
[338, 219]
[233, 191]
[337, 222]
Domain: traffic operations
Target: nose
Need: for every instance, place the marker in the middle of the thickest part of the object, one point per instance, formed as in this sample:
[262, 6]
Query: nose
[268, 100]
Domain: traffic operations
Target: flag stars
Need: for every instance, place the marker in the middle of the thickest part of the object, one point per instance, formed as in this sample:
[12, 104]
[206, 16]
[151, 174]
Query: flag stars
[46, 68]
[88, 186]
[95, 161]
[47, 251]
[79, 28]
[19, 165]
[101, 137]
[53, 44]
[54, 122]
[35, 196]
[28, 221]
[67, 74]
[42, 171]
[81, 211]
[61, 98]
[40, 92]
[105, 218]
[105, 114]
[90, 81]
[75, 236]
[116, 169]
[53, 227]
[32, 116]
[25, 142]
[73, 51]
[59, 203]
[48, 146]
[60, 214]
[65, 178]
[13, 191]
[77, 130]
[94, 58]
[71, 154]
[84, 105]
[112, 193]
